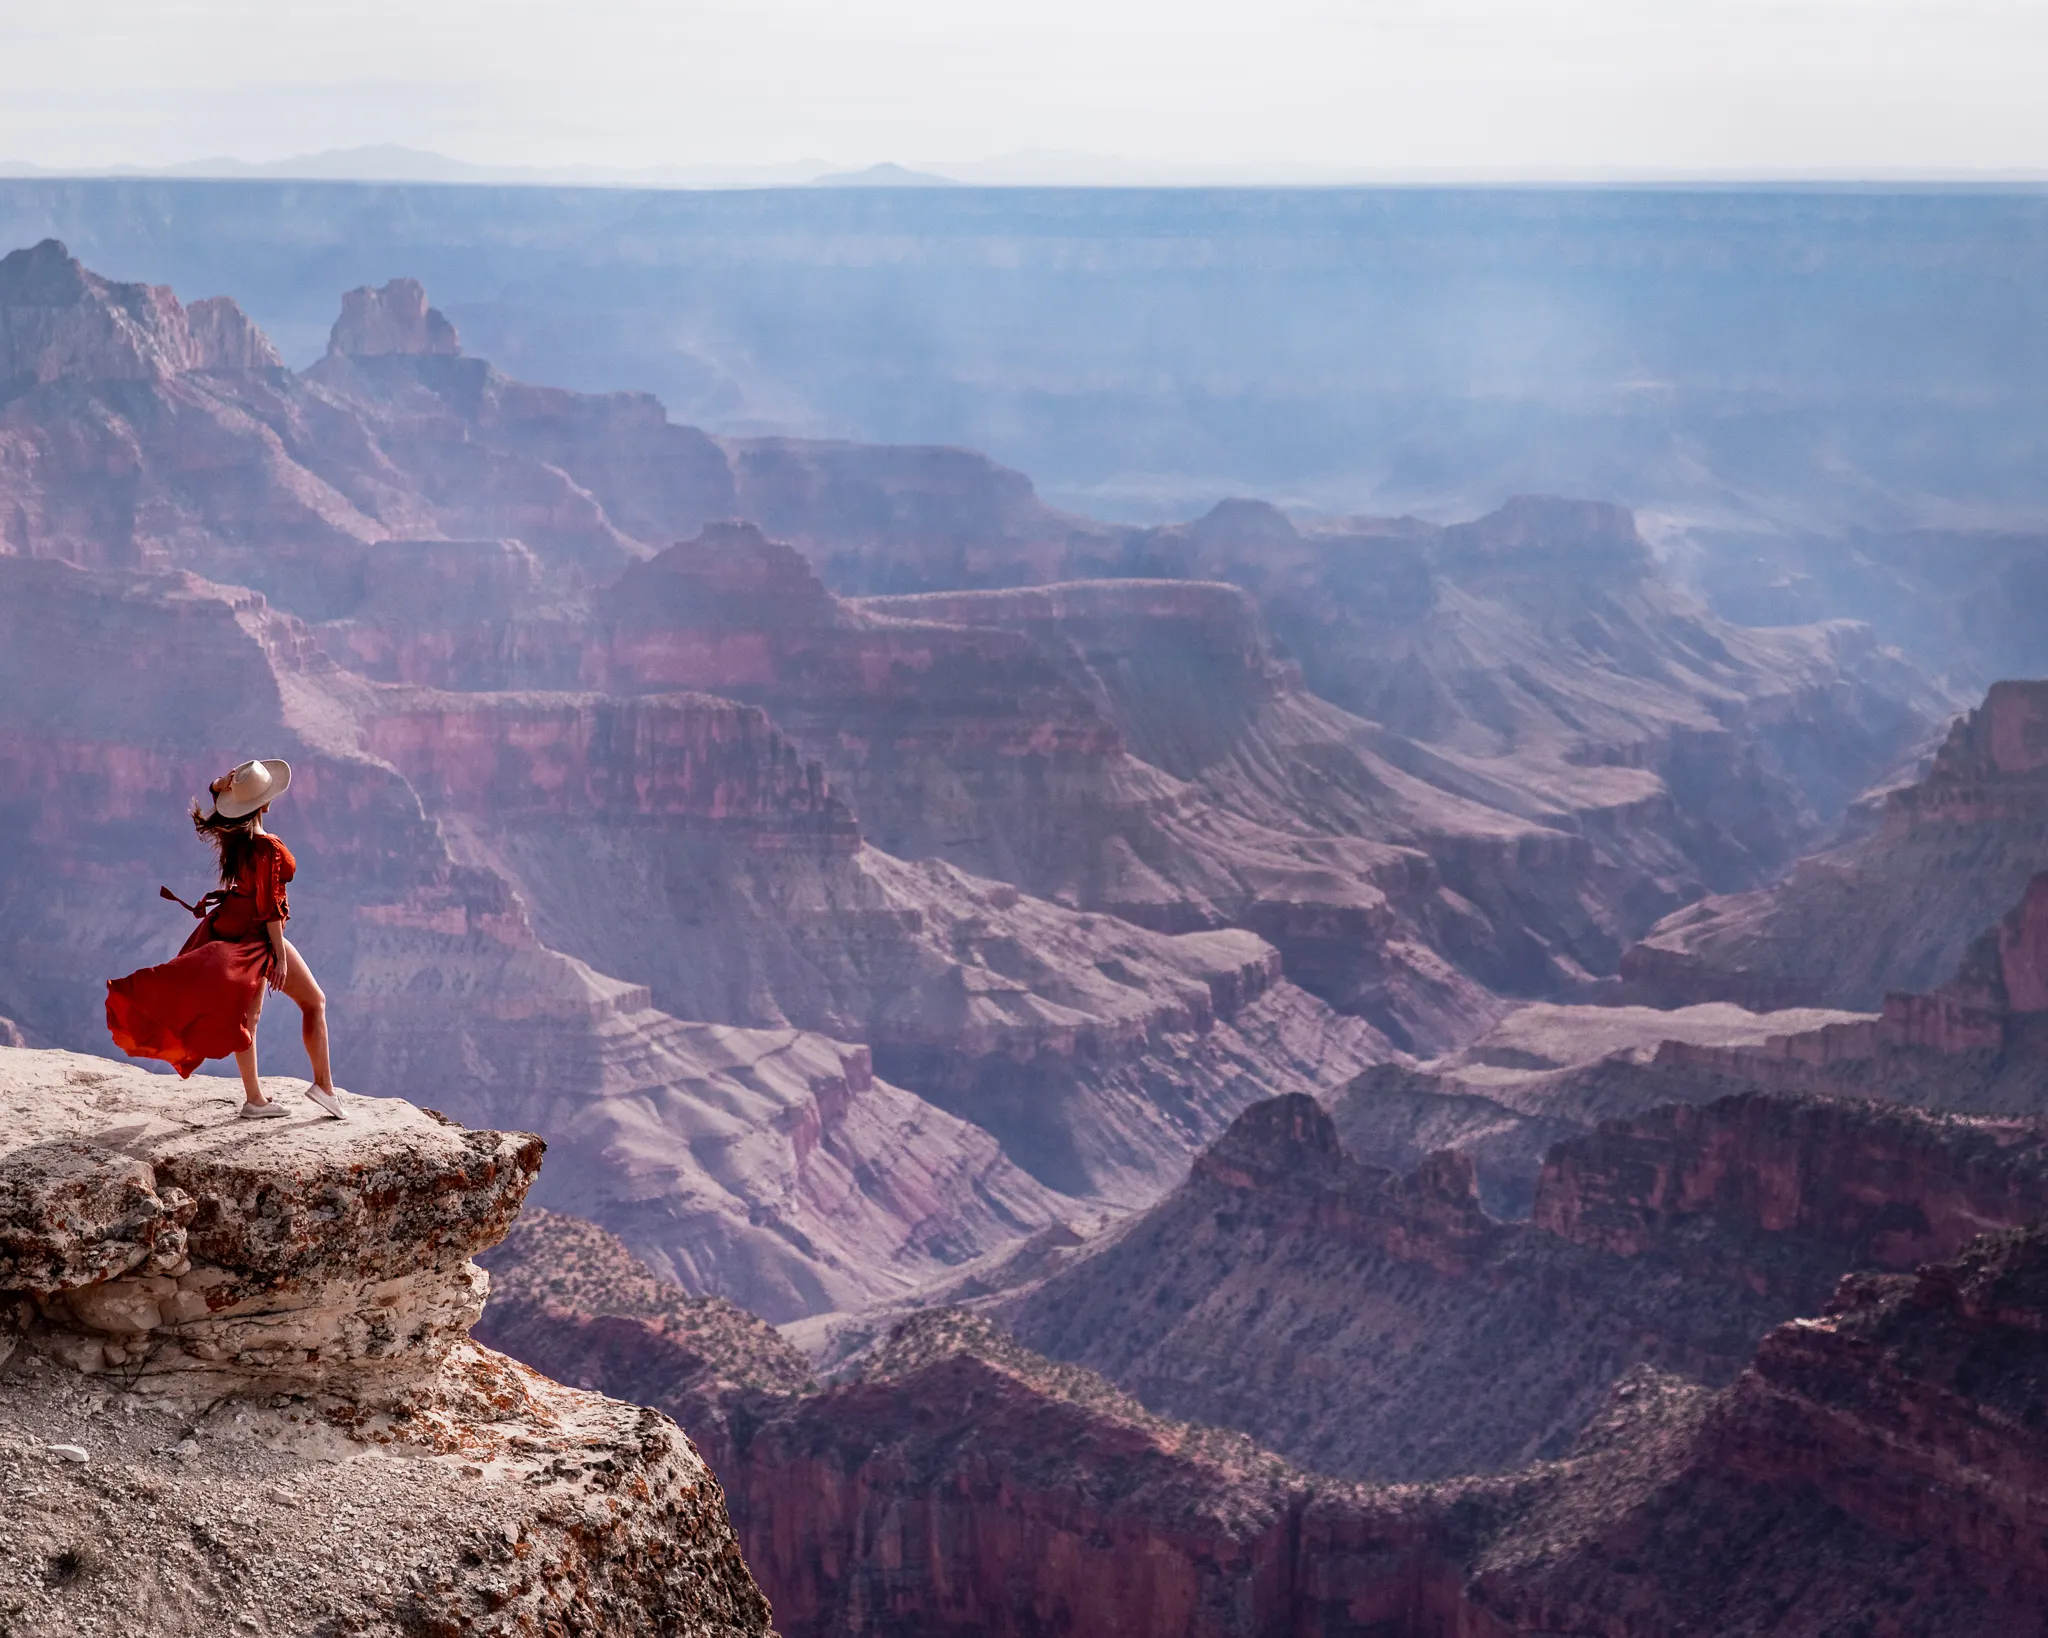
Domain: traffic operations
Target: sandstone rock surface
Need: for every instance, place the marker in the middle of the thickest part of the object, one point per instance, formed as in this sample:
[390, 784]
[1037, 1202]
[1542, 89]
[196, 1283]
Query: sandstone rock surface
[491, 1501]
[394, 318]
[162, 1239]
[241, 1394]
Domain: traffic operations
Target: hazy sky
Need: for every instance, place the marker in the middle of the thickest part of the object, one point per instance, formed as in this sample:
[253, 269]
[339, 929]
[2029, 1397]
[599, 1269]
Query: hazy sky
[1380, 86]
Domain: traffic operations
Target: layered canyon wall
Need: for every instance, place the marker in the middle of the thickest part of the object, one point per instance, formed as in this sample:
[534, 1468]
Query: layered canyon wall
[958, 1479]
[1892, 911]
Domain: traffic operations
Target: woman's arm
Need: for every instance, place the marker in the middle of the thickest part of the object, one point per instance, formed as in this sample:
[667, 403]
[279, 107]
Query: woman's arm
[275, 929]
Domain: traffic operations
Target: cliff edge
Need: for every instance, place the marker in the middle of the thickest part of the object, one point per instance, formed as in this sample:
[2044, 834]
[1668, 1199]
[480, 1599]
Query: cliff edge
[241, 1395]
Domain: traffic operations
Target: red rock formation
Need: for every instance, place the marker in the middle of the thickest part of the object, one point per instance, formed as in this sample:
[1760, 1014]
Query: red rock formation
[2005, 738]
[1884, 1187]
[1287, 1290]
[224, 338]
[1895, 911]
[1325, 1307]
[58, 320]
[1878, 1468]
[127, 445]
[690, 758]
[1913, 1404]
[394, 319]
[964, 1484]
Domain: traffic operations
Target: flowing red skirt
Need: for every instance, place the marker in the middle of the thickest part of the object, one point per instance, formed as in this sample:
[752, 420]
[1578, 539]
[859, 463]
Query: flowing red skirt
[197, 1005]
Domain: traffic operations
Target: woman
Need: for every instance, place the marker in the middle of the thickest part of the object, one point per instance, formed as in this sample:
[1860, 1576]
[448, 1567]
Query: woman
[205, 1003]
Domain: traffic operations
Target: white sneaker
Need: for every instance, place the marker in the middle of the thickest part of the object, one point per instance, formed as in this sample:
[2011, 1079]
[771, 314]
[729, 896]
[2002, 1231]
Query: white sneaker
[271, 1110]
[326, 1103]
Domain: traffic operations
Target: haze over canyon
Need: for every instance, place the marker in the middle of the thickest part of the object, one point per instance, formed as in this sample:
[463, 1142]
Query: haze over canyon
[1352, 965]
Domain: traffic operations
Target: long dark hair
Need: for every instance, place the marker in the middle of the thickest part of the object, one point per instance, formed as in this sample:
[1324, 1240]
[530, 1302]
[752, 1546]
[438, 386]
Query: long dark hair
[233, 839]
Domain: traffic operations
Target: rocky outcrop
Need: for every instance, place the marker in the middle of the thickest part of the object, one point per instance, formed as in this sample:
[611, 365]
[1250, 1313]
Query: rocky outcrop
[225, 339]
[269, 1314]
[134, 433]
[392, 319]
[1911, 1404]
[1893, 911]
[156, 1240]
[1873, 1466]
[58, 320]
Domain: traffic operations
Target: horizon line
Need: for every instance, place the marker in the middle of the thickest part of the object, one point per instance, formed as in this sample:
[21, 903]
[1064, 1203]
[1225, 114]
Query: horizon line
[1056, 169]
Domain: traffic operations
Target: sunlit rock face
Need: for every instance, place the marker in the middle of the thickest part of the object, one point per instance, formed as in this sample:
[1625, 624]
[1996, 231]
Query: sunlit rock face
[158, 1236]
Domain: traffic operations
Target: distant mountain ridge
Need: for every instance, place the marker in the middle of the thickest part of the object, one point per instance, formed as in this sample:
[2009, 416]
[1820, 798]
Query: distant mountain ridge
[1783, 359]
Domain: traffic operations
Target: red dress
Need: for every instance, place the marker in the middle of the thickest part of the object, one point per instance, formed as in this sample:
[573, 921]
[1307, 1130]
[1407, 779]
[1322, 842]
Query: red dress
[197, 1005]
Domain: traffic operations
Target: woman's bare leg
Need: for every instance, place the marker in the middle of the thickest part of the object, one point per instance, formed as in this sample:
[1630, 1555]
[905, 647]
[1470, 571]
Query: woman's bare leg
[245, 1060]
[299, 984]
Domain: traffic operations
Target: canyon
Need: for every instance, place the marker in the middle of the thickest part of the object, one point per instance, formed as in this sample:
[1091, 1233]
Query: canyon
[1843, 365]
[1321, 1073]
[955, 1479]
[1953, 848]
[609, 771]
[1319, 1304]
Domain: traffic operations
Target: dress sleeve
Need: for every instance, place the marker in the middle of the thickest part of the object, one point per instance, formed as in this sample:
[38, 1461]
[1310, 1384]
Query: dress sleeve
[274, 867]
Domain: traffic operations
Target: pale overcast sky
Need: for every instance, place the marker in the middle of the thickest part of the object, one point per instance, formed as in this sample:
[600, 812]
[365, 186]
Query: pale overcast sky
[1391, 87]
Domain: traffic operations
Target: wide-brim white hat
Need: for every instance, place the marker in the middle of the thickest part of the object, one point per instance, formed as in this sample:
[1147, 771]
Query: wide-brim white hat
[254, 784]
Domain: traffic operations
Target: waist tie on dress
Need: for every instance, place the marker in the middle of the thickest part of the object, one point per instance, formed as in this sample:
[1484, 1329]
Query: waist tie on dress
[207, 902]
